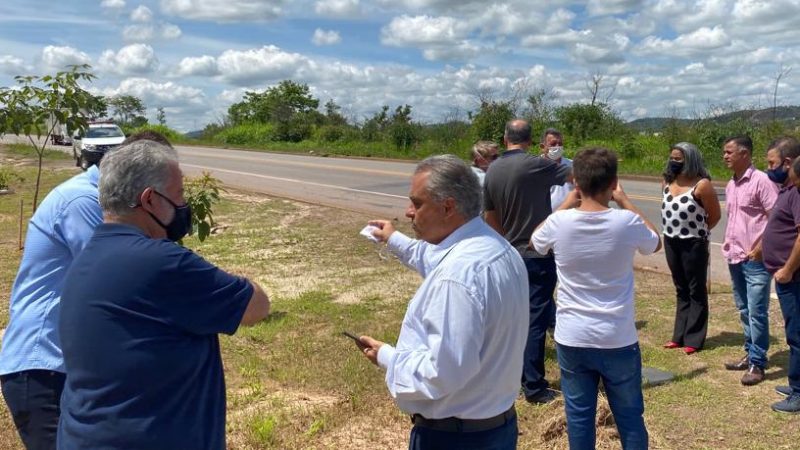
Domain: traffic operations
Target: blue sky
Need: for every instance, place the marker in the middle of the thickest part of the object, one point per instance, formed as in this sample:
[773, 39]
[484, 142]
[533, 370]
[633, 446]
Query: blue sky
[196, 57]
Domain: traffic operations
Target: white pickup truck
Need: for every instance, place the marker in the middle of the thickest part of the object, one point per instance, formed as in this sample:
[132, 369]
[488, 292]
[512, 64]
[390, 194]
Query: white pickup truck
[98, 138]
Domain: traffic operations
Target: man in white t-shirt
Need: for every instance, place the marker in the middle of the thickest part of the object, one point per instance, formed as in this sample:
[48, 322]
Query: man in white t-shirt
[595, 332]
[552, 148]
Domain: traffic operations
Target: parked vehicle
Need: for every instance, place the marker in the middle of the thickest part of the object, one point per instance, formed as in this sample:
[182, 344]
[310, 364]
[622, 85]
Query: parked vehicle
[60, 134]
[98, 138]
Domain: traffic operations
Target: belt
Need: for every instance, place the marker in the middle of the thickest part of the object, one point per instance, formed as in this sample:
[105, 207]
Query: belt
[456, 425]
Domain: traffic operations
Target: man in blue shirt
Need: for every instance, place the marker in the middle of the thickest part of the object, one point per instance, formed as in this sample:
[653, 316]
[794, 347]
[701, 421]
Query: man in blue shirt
[31, 367]
[143, 368]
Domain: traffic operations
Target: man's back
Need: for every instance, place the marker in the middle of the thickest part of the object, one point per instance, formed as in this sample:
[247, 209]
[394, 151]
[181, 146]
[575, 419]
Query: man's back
[517, 187]
[57, 232]
[138, 327]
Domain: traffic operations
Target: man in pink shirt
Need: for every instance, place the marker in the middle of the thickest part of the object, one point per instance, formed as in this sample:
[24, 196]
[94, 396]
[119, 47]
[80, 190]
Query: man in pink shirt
[749, 196]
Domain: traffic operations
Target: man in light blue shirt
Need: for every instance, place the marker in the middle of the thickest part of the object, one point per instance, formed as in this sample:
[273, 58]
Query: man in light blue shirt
[458, 360]
[31, 365]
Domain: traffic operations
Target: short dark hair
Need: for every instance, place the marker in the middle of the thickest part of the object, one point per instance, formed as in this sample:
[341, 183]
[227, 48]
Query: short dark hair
[549, 132]
[742, 140]
[787, 147]
[594, 170]
[147, 135]
[796, 166]
[518, 131]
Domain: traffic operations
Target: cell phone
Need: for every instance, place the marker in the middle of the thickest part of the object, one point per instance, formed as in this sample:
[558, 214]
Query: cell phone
[355, 339]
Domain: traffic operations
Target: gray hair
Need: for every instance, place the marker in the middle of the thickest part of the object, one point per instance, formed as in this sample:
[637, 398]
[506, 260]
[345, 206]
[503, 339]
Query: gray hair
[450, 177]
[128, 170]
[693, 166]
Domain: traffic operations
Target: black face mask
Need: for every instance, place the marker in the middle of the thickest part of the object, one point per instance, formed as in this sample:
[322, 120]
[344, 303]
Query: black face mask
[675, 167]
[181, 224]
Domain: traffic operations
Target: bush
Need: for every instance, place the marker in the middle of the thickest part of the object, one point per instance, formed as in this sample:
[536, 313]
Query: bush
[167, 132]
[331, 133]
[489, 124]
[202, 194]
[8, 176]
[253, 134]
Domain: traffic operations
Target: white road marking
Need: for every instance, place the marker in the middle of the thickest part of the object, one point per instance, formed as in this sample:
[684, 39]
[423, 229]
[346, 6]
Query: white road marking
[291, 180]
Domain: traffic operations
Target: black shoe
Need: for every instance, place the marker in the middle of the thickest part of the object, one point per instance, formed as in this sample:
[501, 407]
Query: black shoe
[543, 397]
[790, 405]
[753, 376]
[784, 390]
[742, 364]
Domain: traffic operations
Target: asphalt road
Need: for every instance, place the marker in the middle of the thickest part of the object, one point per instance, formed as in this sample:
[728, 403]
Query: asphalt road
[377, 187]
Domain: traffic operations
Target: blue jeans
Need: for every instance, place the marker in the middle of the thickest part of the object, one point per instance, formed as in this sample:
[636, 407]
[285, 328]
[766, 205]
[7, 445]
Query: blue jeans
[542, 280]
[621, 372]
[789, 297]
[503, 437]
[33, 398]
[750, 281]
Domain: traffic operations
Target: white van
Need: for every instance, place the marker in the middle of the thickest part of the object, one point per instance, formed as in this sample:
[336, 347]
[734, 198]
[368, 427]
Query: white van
[98, 138]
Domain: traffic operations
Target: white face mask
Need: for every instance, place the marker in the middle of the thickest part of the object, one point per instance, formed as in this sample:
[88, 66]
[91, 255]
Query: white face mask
[555, 153]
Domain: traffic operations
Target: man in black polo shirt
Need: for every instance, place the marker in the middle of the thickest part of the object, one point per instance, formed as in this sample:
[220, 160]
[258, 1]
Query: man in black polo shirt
[517, 200]
[781, 251]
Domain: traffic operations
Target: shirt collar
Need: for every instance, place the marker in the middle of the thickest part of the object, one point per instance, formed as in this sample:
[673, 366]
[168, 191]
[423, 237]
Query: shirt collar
[461, 232]
[516, 151]
[93, 173]
[746, 175]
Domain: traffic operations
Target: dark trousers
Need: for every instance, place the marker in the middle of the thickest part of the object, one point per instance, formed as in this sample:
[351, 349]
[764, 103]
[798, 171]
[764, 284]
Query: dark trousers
[542, 280]
[688, 262]
[503, 437]
[33, 398]
[789, 297]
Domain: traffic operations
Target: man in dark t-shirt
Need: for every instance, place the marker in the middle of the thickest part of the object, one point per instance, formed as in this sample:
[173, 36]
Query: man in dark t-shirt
[781, 253]
[516, 201]
[140, 317]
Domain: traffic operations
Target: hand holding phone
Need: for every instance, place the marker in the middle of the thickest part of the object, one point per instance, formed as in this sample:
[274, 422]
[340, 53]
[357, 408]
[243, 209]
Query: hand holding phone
[361, 345]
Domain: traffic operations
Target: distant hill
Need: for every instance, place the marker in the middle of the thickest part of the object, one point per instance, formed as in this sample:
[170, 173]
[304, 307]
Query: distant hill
[787, 114]
[194, 134]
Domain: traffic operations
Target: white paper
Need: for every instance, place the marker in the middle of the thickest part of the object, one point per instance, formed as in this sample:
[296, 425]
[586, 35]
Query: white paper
[367, 232]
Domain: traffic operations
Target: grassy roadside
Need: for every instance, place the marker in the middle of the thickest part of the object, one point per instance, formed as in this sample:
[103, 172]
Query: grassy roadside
[294, 383]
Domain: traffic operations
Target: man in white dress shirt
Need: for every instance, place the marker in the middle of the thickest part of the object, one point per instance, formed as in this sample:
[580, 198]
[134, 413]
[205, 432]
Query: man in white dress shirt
[458, 360]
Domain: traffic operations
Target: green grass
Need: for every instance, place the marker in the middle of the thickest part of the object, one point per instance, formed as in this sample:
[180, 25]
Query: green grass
[18, 151]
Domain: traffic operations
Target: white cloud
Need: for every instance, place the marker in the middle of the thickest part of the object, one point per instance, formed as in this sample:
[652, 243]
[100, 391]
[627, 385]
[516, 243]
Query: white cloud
[265, 64]
[406, 31]
[112, 4]
[322, 37]
[197, 66]
[704, 38]
[224, 10]
[150, 32]
[155, 94]
[58, 58]
[338, 8]
[11, 65]
[141, 14]
[605, 7]
[606, 50]
[129, 60]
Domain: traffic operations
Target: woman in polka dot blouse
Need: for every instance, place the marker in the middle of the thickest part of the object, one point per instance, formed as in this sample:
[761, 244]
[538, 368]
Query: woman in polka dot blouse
[689, 211]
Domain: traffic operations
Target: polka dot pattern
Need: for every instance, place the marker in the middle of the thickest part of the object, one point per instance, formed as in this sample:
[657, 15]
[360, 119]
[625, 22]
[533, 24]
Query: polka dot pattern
[682, 216]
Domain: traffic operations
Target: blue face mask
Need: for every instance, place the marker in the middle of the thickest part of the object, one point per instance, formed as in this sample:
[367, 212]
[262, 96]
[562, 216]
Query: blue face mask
[675, 167]
[778, 174]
